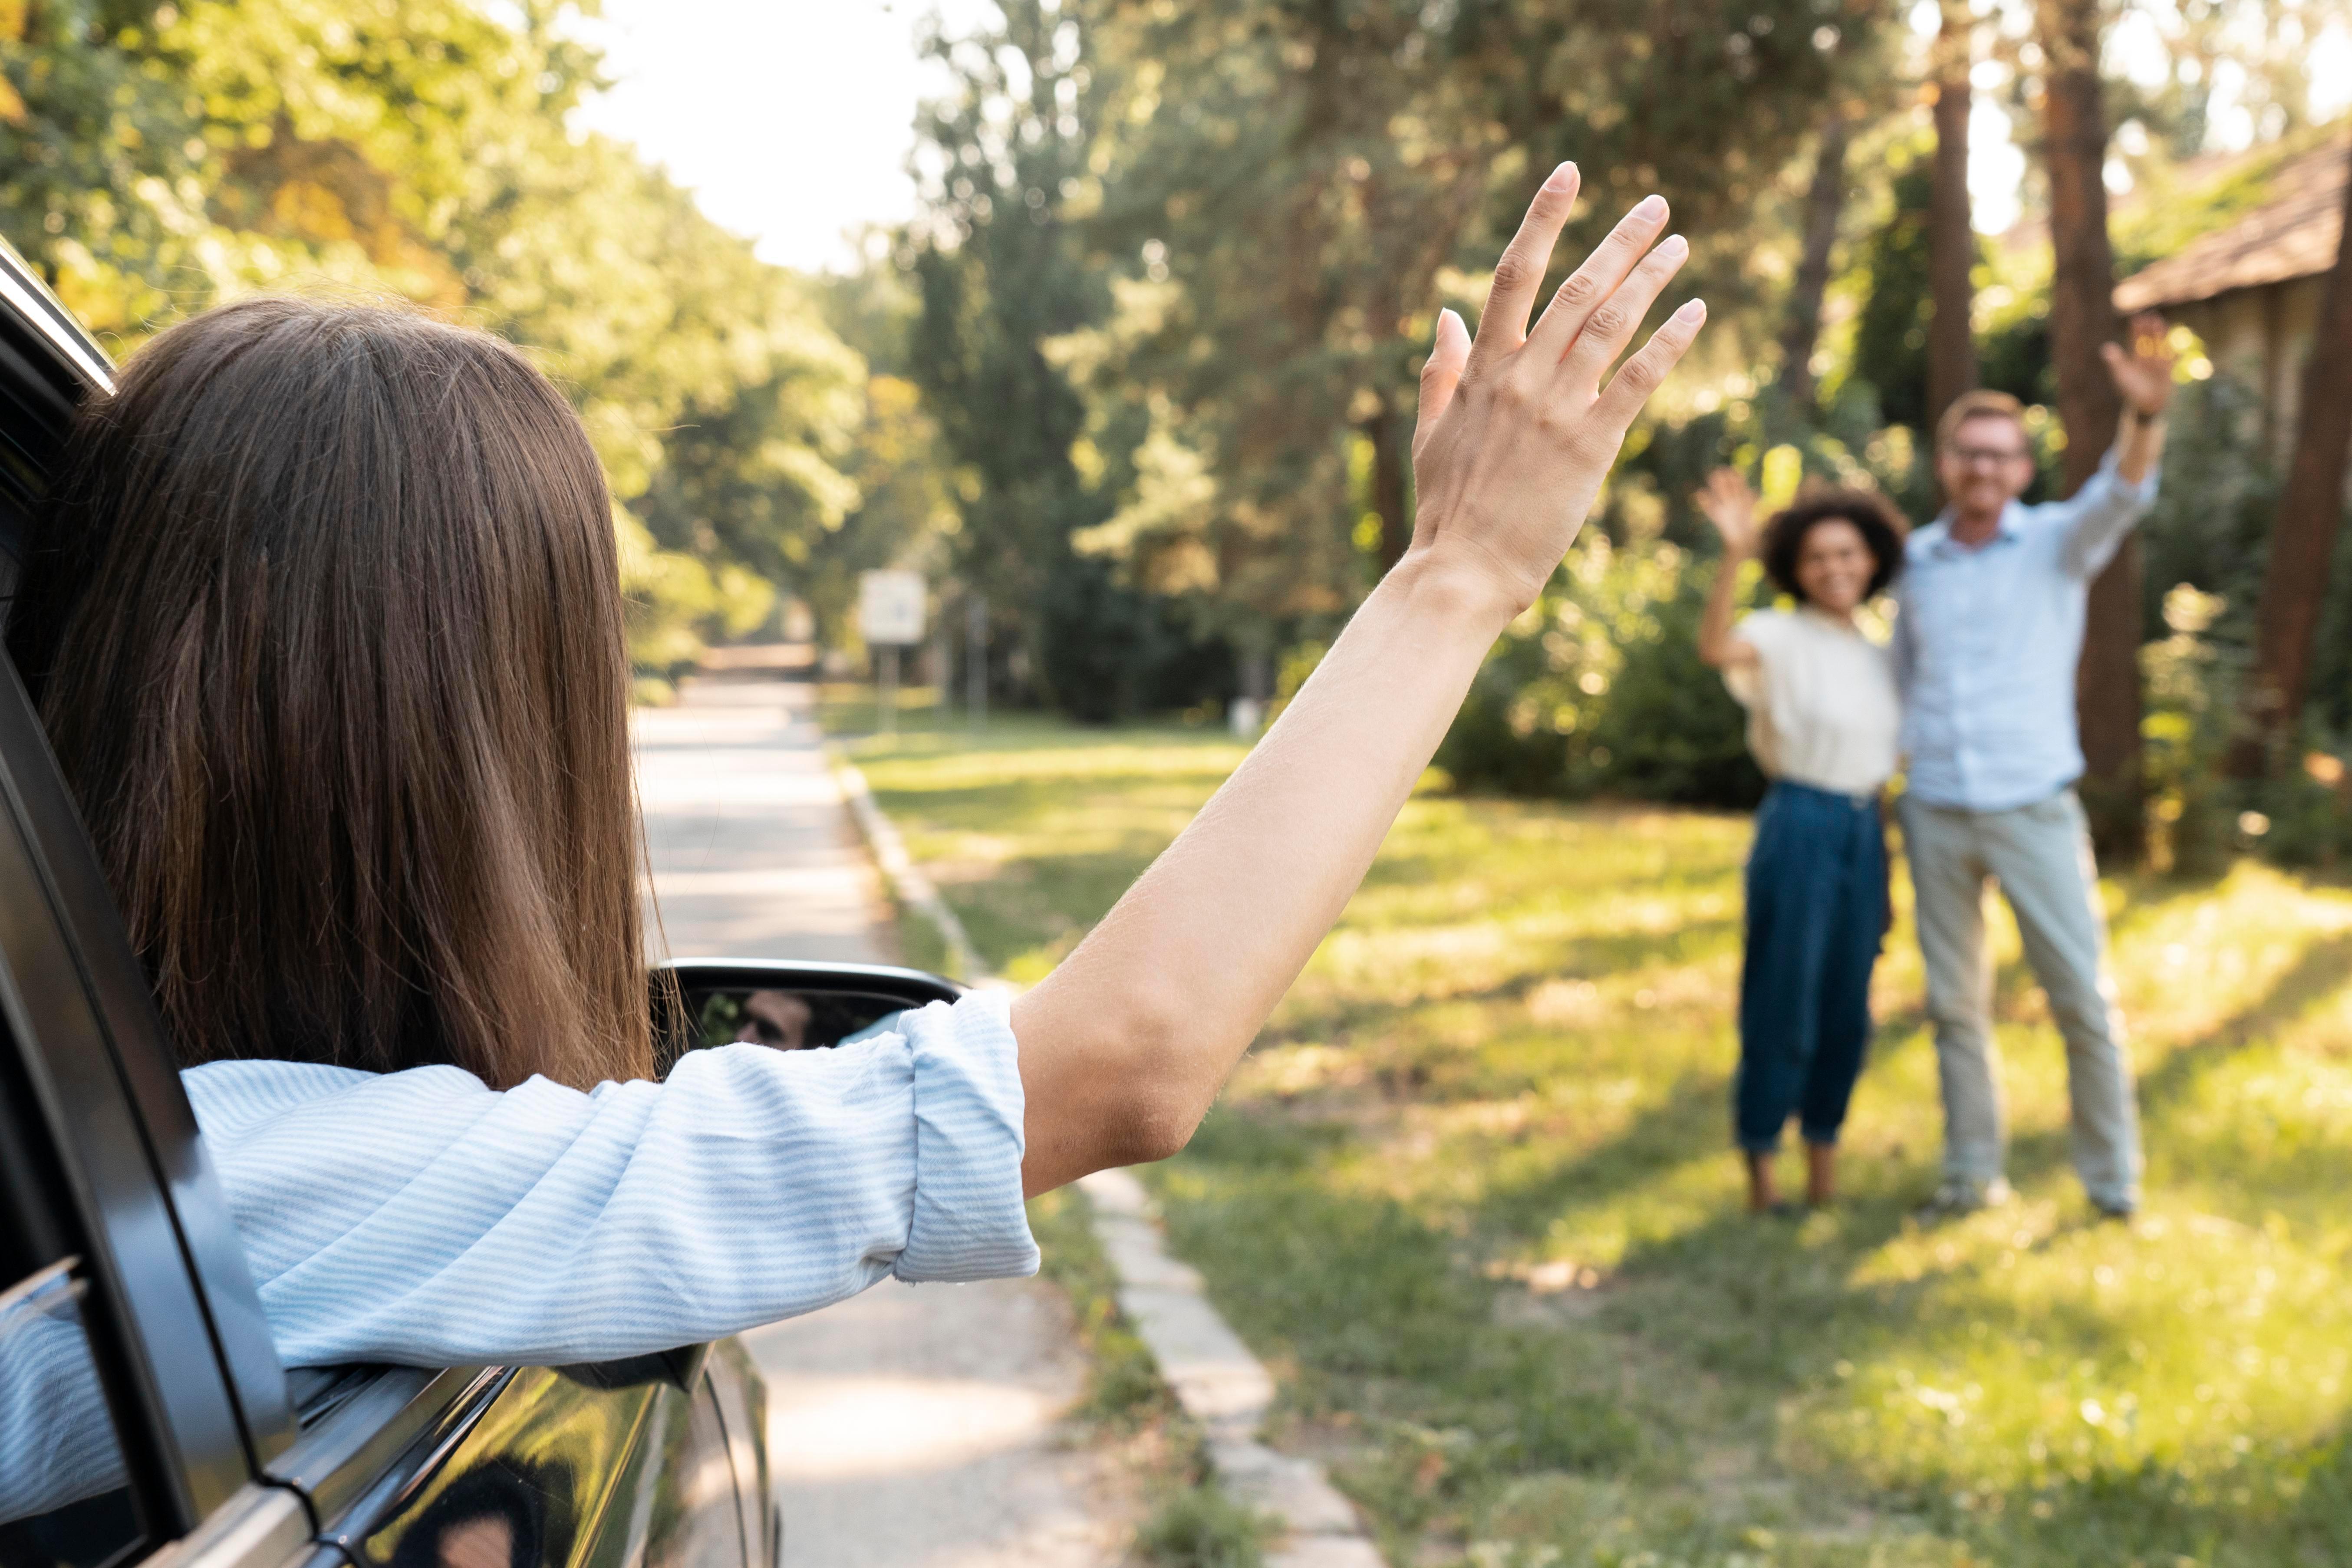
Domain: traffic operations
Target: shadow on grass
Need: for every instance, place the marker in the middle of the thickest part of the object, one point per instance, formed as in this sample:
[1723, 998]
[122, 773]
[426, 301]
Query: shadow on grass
[1719, 1334]
[2321, 970]
[2324, 968]
[1596, 957]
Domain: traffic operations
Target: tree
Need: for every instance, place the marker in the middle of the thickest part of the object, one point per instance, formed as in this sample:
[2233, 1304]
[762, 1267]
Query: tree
[1951, 237]
[155, 159]
[1299, 175]
[2082, 317]
[1824, 204]
[756, 476]
[1003, 276]
[2302, 539]
[1890, 338]
[1308, 183]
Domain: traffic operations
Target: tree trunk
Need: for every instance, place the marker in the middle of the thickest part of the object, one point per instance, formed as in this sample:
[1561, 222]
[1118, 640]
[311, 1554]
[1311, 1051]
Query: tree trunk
[1951, 237]
[2082, 317]
[2302, 539]
[1390, 445]
[1824, 204]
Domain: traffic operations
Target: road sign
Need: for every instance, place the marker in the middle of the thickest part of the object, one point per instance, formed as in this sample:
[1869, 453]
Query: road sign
[890, 608]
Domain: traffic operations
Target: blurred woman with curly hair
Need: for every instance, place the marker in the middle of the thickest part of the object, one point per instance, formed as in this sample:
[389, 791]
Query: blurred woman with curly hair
[1823, 721]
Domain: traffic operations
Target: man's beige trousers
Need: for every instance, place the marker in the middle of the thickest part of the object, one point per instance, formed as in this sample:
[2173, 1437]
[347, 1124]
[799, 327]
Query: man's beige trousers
[2041, 856]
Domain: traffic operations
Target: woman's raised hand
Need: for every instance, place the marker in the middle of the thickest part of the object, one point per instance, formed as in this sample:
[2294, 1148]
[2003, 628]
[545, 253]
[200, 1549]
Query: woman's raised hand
[1730, 505]
[1123, 1046]
[1517, 432]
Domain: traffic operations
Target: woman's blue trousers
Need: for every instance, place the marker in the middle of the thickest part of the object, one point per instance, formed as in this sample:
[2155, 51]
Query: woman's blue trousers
[1816, 916]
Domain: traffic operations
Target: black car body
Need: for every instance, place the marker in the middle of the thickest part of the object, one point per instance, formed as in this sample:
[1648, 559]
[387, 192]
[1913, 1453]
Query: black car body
[111, 1214]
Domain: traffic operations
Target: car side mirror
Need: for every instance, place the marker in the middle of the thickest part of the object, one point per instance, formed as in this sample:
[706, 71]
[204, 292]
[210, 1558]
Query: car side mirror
[784, 1005]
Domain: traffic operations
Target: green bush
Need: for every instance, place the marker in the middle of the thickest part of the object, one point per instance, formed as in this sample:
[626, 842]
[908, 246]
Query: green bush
[2191, 684]
[1598, 689]
[1108, 652]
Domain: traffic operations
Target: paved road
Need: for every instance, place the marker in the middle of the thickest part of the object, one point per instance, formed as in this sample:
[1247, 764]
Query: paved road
[910, 1427]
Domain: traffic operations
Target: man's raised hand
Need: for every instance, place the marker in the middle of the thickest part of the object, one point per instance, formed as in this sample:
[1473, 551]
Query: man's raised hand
[1516, 430]
[2143, 375]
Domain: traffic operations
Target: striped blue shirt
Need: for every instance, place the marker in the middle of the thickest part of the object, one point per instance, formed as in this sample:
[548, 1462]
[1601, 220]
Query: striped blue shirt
[423, 1219]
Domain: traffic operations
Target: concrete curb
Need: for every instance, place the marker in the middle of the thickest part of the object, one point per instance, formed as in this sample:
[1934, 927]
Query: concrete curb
[1220, 1384]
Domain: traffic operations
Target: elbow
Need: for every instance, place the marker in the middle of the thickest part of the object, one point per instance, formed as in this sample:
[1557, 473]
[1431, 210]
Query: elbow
[1164, 1091]
[1153, 1132]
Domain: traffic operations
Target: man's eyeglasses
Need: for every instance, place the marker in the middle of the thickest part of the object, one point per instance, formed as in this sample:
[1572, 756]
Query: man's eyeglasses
[1986, 456]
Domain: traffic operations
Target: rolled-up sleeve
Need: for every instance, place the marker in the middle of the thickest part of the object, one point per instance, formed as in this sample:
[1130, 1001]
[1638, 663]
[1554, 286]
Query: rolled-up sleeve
[420, 1217]
[2098, 516]
[970, 1222]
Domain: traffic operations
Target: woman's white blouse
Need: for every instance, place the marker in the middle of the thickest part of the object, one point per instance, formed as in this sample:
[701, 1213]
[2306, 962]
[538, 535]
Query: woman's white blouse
[1823, 709]
[425, 1219]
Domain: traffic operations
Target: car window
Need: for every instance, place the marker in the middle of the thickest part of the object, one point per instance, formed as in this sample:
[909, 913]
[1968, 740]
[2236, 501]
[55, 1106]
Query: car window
[63, 1500]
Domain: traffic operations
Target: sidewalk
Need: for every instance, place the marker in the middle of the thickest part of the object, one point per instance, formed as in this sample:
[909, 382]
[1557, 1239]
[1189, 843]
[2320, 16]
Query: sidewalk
[917, 1428]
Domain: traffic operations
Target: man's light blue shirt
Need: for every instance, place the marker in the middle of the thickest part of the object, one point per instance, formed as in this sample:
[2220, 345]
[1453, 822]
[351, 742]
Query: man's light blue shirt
[1988, 640]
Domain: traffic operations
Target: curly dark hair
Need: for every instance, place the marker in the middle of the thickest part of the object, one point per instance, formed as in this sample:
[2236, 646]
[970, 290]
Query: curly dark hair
[1883, 528]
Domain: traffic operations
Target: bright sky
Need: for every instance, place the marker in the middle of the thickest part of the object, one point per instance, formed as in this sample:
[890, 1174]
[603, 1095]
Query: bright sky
[790, 120]
[797, 131]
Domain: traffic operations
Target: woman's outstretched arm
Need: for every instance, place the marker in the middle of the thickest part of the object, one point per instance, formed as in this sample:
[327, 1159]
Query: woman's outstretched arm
[1124, 1046]
[1730, 505]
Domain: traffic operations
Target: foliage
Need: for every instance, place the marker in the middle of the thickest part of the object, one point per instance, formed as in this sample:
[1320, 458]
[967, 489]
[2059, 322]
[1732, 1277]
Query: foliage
[1178, 266]
[1000, 274]
[1471, 1196]
[162, 157]
[2251, 56]
[1123, 1383]
[1890, 341]
[2191, 687]
[1302, 186]
[2211, 517]
[1200, 1527]
[1598, 688]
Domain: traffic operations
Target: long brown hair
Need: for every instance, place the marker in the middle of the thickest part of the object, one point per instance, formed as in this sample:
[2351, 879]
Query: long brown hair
[324, 621]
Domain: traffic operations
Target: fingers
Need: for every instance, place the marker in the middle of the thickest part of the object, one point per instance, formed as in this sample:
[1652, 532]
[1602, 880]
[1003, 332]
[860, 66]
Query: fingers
[1641, 376]
[1502, 325]
[1440, 375]
[1611, 325]
[1593, 282]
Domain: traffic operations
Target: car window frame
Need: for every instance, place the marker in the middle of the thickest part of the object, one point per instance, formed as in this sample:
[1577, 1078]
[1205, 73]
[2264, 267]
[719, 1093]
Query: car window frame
[194, 1386]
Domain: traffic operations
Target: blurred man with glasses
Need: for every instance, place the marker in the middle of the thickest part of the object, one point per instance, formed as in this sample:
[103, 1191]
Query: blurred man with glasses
[1991, 630]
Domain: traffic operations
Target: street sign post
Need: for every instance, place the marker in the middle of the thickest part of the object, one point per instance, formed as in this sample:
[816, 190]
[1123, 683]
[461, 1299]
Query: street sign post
[890, 608]
[890, 617]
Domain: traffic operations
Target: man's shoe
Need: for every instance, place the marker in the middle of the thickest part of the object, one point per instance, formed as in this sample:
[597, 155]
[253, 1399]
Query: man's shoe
[2117, 1209]
[1957, 1196]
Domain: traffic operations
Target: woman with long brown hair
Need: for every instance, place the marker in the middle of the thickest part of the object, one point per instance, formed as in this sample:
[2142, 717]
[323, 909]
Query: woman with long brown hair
[325, 624]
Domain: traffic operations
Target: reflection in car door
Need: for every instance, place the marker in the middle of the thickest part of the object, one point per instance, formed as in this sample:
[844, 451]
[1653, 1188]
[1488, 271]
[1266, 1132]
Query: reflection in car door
[575, 1466]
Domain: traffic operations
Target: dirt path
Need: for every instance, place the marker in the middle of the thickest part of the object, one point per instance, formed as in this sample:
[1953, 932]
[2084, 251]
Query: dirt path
[914, 1427]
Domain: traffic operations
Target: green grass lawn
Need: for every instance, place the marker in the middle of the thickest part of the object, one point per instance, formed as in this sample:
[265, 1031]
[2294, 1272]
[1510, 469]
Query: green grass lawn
[1472, 1197]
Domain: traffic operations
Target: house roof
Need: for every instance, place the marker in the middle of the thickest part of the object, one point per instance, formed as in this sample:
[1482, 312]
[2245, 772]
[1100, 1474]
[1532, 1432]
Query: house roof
[2294, 234]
